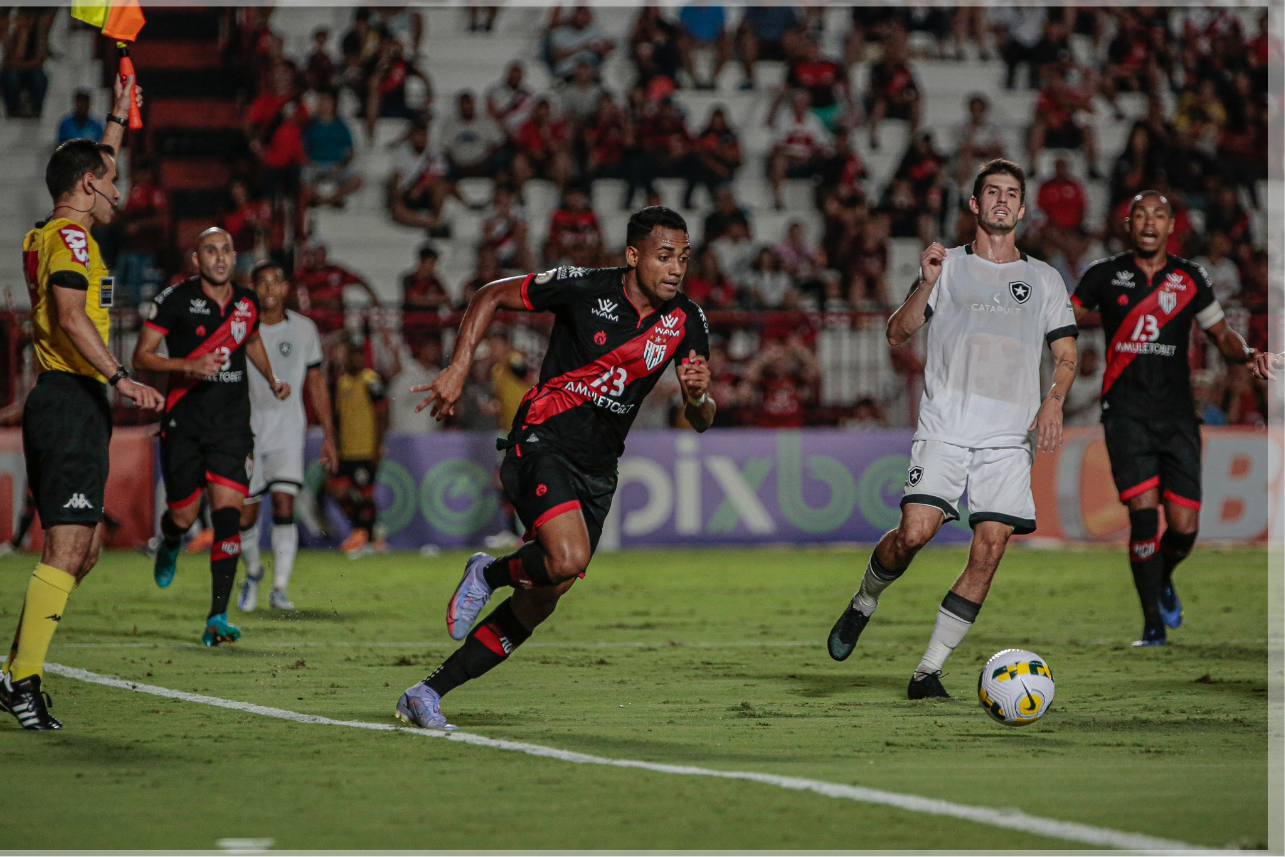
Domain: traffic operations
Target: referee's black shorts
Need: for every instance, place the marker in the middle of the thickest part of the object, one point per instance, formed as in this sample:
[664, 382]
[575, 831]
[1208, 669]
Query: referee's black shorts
[544, 485]
[1161, 454]
[66, 438]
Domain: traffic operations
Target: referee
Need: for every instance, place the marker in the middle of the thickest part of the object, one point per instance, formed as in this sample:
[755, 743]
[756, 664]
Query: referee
[66, 425]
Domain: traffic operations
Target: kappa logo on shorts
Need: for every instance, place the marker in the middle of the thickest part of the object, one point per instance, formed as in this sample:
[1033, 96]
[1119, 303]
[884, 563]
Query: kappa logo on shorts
[1020, 291]
[541, 490]
[78, 501]
[913, 477]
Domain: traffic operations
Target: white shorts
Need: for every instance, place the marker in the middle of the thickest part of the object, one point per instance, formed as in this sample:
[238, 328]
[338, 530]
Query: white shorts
[276, 470]
[998, 483]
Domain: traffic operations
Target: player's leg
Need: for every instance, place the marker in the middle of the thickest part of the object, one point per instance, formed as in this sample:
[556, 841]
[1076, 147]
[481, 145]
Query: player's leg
[1001, 504]
[1132, 450]
[285, 544]
[249, 597]
[1181, 493]
[227, 502]
[182, 474]
[934, 483]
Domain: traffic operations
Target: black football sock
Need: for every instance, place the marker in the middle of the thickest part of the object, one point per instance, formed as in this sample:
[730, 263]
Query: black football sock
[486, 647]
[1146, 563]
[224, 554]
[171, 533]
[1174, 548]
[524, 568]
[364, 514]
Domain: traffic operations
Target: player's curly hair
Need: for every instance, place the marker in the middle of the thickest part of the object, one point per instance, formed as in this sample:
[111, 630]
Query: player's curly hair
[1000, 166]
[647, 219]
[72, 160]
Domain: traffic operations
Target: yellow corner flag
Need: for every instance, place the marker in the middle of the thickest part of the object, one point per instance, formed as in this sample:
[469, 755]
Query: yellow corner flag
[118, 19]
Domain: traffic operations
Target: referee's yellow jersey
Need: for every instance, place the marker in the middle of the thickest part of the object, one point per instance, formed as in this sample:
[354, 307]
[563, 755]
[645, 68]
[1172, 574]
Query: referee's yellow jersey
[63, 253]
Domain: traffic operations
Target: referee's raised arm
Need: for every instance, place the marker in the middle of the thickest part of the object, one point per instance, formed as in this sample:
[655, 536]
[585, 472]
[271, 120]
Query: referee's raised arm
[117, 118]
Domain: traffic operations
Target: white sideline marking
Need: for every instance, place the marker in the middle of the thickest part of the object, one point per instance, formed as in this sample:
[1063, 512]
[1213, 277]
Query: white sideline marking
[1012, 819]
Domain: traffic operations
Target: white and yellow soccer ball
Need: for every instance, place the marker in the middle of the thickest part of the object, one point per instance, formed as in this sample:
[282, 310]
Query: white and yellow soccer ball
[1015, 687]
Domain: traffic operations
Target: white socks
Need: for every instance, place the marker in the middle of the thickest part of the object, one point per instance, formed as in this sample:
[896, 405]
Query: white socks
[285, 544]
[873, 583]
[955, 616]
[250, 551]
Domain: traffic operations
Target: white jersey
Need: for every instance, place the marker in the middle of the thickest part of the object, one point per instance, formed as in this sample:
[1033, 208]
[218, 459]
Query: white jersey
[293, 347]
[987, 328]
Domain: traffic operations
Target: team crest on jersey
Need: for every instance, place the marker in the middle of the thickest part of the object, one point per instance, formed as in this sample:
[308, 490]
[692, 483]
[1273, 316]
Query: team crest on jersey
[284, 348]
[1168, 301]
[654, 354]
[1123, 279]
[913, 477]
[237, 329]
[1020, 291]
[76, 242]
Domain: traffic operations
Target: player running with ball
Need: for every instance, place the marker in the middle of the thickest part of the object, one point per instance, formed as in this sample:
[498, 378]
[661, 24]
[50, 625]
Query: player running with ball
[1148, 300]
[614, 332]
[992, 310]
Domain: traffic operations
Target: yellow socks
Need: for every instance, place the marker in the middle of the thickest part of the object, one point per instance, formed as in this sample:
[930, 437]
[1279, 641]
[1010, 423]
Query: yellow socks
[46, 598]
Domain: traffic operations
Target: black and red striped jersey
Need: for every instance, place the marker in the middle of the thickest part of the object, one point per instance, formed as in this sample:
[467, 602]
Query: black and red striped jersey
[1147, 323]
[604, 357]
[194, 324]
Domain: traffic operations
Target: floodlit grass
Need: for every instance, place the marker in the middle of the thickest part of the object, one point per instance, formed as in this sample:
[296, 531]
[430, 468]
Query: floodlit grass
[713, 658]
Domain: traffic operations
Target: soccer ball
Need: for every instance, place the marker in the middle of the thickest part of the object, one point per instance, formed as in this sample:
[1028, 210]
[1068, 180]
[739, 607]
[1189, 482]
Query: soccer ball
[1015, 687]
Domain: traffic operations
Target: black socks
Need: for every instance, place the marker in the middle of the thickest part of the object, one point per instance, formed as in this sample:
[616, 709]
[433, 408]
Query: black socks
[486, 647]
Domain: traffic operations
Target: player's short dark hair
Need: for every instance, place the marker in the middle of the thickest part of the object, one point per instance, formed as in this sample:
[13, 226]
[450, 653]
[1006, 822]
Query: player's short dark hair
[265, 266]
[1000, 166]
[647, 219]
[1141, 195]
[72, 160]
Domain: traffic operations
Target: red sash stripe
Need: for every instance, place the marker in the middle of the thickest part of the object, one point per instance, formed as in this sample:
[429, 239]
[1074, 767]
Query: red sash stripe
[1118, 361]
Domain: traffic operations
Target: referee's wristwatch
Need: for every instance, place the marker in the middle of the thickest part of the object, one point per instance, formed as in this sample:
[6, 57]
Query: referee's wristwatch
[121, 374]
[112, 117]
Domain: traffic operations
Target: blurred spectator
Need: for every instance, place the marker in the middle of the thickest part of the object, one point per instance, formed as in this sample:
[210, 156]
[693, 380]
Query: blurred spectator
[577, 39]
[768, 283]
[1224, 276]
[418, 183]
[726, 386]
[786, 376]
[1054, 124]
[1083, 406]
[894, 92]
[143, 226]
[542, 147]
[328, 177]
[1062, 198]
[421, 287]
[510, 378]
[734, 251]
[505, 231]
[706, 285]
[1226, 215]
[825, 81]
[320, 286]
[1187, 167]
[923, 166]
[704, 27]
[1208, 396]
[664, 150]
[653, 46]
[1071, 252]
[487, 270]
[1019, 31]
[273, 125]
[470, 140]
[869, 24]
[320, 71]
[977, 139]
[78, 124]
[22, 73]
[906, 218]
[767, 33]
[865, 417]
[508, 102]
[360, 48]
[1135, 168]
[607, 138]
[800, 147]
[843, 173]
[419, 371]
[248, 223]
[574, 234]
[726, 212]
[1130, 63]
[802, 260]
[580, 95]
[481, 19]
[404, 23]
[386, 95]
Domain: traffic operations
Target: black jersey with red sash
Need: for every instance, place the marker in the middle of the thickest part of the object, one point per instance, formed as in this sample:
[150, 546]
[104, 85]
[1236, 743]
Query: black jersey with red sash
[1147, 323]
[604, 357]
[195, 324]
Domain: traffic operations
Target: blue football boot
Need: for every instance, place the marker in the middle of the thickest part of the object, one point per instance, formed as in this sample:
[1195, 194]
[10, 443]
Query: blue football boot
[165, 565]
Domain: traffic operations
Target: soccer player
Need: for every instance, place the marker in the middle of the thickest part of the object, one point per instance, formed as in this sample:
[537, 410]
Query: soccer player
[1147, 300]
[990, 311]
[209, 326]
[67, 422]
[614, 332]
[362, 408]
[294, 350]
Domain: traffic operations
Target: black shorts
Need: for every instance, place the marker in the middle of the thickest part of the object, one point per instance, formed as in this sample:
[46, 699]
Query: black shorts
[66, 438]
[1163, 454]
[196, 453]
[545, 485]
[361, 473]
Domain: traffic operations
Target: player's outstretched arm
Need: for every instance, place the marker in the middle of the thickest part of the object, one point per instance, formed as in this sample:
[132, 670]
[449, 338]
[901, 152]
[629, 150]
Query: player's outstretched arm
[445, 389]
[912, 314]
[1048, 420]
[319, 394]
[1231, 345]
[258, 355]
[1265, 362]
[147, 360]
[694, 377]
[75, 322]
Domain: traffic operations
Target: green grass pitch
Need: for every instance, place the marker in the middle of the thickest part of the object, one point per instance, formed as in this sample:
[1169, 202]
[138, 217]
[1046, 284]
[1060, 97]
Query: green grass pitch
[713, 658]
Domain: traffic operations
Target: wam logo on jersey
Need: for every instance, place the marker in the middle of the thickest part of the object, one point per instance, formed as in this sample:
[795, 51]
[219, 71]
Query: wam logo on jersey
[238, 330]
[670, 321]
[1123, 279]
[1168, 301]
[285, 348]
[1020, 291]
[200, 307]
[606, 309]
[654, 354]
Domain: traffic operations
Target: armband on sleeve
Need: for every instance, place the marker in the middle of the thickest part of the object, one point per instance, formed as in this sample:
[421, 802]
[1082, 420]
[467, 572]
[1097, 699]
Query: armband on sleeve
[1210, 315]
[69, 280]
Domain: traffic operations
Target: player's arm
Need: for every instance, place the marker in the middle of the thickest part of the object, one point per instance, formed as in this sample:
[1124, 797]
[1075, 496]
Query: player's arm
[913, 314]
[75, 322]
[446, 388]
[258, 355]
[314, 384]
[1231, 345]
[114, 132]
[146, 358]
[693, 378]
[1048, 420]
